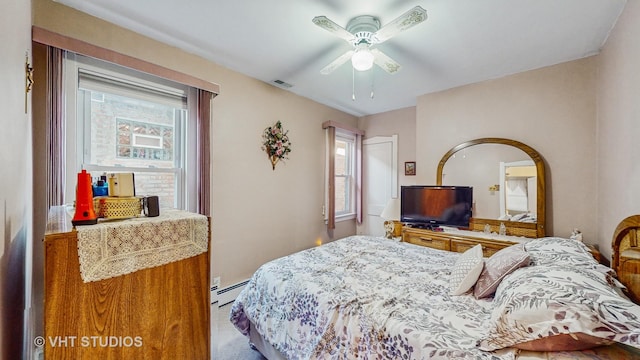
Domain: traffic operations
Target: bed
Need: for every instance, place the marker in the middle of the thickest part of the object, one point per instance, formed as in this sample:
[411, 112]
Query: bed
[373, 298]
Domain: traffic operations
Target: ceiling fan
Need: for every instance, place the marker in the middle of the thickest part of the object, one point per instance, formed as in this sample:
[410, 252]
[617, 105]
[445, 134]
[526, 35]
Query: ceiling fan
[364, 31]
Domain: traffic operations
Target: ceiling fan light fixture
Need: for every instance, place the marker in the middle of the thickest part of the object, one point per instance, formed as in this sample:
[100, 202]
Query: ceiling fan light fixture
[364, 31]
[362, 60]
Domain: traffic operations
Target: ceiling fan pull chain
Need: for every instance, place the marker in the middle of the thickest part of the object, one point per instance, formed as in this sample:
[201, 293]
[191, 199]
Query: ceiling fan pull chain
[372, 82]
[353, 84]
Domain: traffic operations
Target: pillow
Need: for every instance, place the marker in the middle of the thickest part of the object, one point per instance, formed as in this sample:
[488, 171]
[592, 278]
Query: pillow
[518, 217]
[499, 265]
[559, 251]
[542, 302]
[466, 270]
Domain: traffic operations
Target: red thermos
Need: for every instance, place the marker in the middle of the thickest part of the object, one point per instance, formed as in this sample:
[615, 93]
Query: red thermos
[85, 215]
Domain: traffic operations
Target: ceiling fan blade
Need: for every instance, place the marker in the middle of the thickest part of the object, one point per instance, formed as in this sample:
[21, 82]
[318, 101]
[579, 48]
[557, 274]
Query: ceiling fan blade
[405, 21]
[385, 62]
[337, 62]
[333, 28]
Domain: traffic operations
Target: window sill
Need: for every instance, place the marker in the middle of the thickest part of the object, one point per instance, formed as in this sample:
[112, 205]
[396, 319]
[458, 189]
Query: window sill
[345, 217]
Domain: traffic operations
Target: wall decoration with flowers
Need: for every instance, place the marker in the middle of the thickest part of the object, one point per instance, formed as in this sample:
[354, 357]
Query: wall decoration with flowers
[275, 142]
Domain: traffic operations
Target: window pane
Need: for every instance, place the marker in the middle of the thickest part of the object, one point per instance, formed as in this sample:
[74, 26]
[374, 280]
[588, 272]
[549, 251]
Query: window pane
[344, 150]
[131, 132]
[161, 184]
[342, 202]
[341, 163]
[128, 121]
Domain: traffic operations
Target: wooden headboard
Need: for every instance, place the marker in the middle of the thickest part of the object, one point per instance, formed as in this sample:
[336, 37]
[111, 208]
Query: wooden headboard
[625, 259]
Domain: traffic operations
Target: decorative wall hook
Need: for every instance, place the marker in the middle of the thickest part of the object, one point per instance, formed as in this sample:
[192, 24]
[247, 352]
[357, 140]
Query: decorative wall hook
[28, 80]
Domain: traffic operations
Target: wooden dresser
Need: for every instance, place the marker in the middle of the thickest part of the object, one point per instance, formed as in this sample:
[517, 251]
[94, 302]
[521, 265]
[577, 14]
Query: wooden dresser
[459, 241]
[156, 313]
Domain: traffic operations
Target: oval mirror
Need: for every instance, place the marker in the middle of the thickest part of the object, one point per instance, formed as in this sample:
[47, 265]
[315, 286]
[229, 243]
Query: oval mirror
[508, 184]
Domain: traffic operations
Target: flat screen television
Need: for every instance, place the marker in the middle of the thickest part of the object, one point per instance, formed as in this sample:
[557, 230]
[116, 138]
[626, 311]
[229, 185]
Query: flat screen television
[432, 206]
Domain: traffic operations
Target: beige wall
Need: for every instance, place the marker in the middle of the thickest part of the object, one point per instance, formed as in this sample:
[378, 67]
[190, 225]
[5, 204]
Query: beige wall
[258, 214]
[553, 109]
[550, 109]
[618, 126]
[16, 237]
[401, 122]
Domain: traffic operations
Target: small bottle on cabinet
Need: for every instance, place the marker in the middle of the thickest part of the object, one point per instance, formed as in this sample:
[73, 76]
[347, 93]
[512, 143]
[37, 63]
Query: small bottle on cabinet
[100, 187]
[503, 229]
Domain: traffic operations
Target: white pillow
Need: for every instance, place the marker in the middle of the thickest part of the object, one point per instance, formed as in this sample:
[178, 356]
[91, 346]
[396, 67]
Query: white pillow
[466, 271]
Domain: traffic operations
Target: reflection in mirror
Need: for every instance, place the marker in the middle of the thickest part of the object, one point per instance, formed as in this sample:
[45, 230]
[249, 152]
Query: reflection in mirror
[519, 194]
[508, 184]
[496, 194]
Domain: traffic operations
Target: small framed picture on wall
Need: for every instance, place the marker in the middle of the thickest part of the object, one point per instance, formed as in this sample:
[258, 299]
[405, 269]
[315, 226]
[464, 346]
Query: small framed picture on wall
[410, 168]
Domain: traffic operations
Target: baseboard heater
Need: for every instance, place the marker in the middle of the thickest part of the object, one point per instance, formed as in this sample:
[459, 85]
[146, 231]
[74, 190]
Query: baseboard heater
[227, 295]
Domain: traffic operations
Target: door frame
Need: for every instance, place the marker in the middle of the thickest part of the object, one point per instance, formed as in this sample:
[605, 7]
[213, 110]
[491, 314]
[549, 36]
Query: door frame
[394, 158]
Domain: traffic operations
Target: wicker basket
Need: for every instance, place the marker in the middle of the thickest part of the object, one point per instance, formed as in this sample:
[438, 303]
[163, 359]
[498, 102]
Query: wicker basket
[110, 207]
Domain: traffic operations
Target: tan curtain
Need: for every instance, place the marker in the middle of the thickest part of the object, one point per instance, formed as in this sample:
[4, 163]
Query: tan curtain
[331, 178]
[204, 151]
[330, 127]
[55, 128]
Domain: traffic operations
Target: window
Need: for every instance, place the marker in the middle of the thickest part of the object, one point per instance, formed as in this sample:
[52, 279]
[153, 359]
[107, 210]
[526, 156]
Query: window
[344, 175]
[127, 121]
[141, 140]
[343, 186]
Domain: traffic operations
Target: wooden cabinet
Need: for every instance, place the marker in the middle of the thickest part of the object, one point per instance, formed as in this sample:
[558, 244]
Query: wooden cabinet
[429, 239]
[488, 247]
[457, 242]
[464, 240]
[596, 254]
[155, 313]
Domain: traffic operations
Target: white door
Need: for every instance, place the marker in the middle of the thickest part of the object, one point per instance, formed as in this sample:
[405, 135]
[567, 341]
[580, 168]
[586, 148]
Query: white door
[530, 185]
[380, 181]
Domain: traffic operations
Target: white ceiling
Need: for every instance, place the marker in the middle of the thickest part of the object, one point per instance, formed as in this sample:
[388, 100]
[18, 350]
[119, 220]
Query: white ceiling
[461, 42]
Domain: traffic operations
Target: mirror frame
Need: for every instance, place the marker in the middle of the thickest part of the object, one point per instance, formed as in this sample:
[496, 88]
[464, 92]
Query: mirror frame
[513, 227]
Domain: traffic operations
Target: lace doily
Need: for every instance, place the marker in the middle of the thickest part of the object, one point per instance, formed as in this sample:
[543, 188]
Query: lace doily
[114, 248]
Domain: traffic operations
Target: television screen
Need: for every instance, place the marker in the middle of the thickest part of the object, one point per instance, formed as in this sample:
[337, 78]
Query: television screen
[426, 205]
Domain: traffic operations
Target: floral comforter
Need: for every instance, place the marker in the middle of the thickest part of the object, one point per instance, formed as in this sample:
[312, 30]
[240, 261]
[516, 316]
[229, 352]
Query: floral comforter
[367, 298]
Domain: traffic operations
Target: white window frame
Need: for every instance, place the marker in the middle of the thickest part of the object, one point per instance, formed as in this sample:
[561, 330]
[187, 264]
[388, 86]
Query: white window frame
[158, 139]
[186, 142]
[350, 180]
